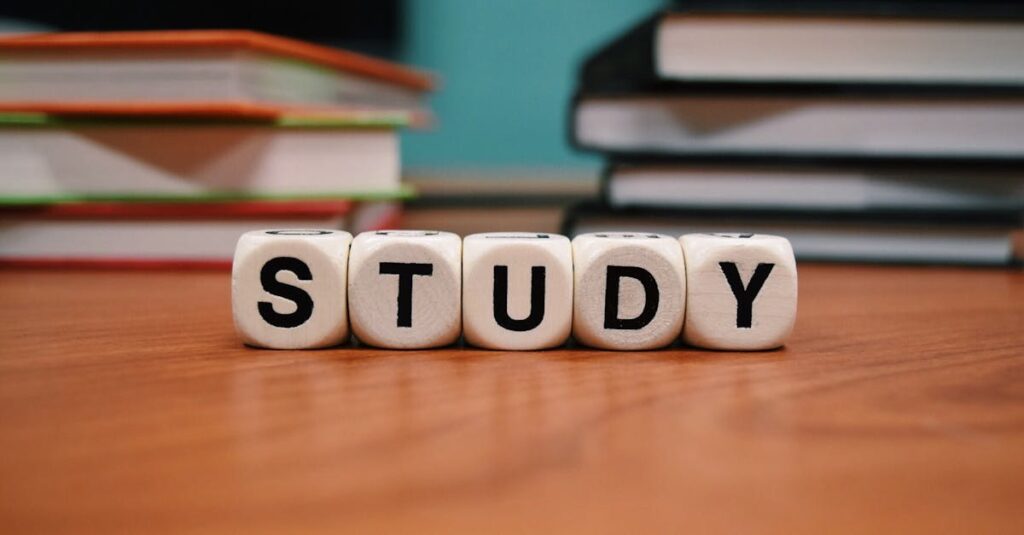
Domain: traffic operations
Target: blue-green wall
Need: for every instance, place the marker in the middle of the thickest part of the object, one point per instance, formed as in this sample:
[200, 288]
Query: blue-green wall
[507, 71]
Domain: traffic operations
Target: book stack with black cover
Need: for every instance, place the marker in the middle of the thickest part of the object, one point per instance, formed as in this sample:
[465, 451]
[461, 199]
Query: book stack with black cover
[885, 131]
[161, 148]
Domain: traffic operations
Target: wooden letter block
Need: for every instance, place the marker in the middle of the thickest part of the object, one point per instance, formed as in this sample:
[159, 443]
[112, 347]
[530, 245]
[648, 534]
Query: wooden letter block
[288, 288]
[742, 291]
[404, 288]
[517, 290]
[630, 290]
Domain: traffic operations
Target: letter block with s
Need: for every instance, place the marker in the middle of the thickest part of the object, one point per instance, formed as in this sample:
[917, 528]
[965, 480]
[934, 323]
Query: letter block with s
[405, 288]
[742, 291]
[288, 288]
[517, 290]
[630, 290]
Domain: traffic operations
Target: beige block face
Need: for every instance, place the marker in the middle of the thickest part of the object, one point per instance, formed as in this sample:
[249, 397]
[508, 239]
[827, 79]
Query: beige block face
[630, 290]
[742, 291]
[288, 288]
[517, 290]
[405, 288]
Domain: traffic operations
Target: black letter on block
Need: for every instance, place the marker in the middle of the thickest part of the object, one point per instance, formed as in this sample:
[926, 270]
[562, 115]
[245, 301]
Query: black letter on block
[303, 303]
[405, 273]
[745, 296]
[537, 280]
[611, 298]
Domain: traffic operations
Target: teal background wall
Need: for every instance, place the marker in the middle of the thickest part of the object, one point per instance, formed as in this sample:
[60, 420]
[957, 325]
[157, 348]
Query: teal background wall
[508, 71]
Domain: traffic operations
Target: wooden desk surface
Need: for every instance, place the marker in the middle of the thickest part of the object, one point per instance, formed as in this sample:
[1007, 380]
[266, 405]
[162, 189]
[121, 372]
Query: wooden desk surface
[127, 404]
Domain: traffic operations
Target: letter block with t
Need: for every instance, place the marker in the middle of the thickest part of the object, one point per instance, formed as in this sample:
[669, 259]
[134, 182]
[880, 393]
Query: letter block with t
[630, 290]
[517, 290]
[288, 288]
[742, 291]
[405, 288]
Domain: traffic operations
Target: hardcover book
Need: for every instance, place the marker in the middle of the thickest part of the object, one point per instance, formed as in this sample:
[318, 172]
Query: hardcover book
[826, 187]
[994, 239]
[892, 42]
[149, 234]
[198, 72]
[45, 159]
[802, 122]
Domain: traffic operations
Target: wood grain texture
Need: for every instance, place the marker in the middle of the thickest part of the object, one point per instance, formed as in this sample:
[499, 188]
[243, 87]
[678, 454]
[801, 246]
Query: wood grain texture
[128, 404]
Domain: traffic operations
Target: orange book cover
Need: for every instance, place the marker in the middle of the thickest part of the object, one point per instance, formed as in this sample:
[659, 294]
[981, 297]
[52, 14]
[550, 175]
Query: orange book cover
[255, 111]
[71, 43]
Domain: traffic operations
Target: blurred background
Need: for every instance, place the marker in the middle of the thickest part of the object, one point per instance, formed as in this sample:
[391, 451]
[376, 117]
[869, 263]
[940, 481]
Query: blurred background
[573, 116]
[507, 69]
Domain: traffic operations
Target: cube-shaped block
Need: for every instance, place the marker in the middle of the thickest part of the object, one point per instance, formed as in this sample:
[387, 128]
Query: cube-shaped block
[288, 288]
[517, 290]
[742, 291]
[630, 290]
[405, 288]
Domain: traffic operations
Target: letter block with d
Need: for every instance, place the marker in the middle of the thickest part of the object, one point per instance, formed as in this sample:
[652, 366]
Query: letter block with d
[288, 288]
[630, 290]
[405, 288]
[517, 290]
[742, 291]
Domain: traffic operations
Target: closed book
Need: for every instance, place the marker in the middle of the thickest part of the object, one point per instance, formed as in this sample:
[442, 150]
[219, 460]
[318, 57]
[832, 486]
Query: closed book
[879, 42]
[815, 186]
[149, 234]
[991, 239]
[803, 122]
[882, 79]
[45, 159]
[198, 72]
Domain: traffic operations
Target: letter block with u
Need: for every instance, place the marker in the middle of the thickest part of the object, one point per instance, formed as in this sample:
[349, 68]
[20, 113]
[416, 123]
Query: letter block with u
[288, 288]
[517, 290]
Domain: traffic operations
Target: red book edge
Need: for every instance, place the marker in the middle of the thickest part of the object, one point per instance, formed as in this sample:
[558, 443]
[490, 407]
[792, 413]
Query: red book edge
[183, 210]
[175, 264]
[245, 111]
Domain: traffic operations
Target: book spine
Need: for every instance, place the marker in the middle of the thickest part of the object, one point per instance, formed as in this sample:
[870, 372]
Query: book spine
[625, 62]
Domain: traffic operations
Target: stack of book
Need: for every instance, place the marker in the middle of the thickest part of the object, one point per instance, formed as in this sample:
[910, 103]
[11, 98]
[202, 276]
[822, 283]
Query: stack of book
[510, 203]
[155, 148]
[878, 131]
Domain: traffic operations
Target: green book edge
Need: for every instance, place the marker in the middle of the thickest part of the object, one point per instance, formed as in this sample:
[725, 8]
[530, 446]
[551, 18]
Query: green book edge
[45, 120]
[403, 193]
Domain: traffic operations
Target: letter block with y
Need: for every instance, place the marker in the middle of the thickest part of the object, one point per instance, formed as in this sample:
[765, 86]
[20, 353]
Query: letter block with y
[404, 288]
[288, 288]
[742, 291]
[517, 290]
[630, 290]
